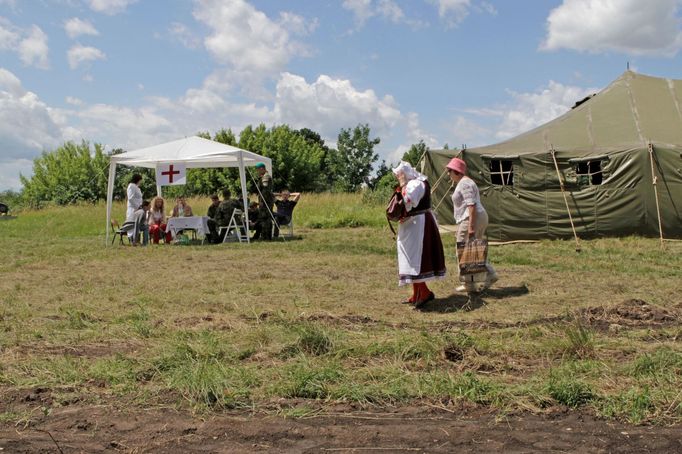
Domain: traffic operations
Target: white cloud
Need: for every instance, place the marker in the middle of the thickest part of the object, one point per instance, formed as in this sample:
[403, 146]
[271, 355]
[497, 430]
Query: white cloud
[9, 35]
[10, 171]
[626, 26]
[390, 10]
[110, 7]
[530, 110]
[80, 54]
[30, 44]
[33, 49]
[76, 27]
[453, 12]
[327, 105]
[245, 38]
[184, 35]
[297, 24]
[414, 133]
[73, 101]
[362, 10]
[27, 125]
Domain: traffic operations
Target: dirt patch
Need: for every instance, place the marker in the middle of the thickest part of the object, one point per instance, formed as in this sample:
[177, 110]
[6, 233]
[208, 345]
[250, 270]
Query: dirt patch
[345, 320]
[97, 350]
[632, 313]
[420, 428]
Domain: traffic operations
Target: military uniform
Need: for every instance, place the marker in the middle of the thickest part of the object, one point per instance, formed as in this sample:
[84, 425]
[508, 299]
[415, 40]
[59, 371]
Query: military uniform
[223, 213]
[265, 205]
[212, 224]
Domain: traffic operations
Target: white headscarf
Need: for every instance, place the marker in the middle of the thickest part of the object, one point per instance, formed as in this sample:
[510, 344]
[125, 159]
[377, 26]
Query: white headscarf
[409, 172]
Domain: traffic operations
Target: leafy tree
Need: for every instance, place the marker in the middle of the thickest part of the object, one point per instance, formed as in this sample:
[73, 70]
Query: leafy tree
[355, 157]
[125, 173]
[296, 159]
[415, 153]
[69, 174]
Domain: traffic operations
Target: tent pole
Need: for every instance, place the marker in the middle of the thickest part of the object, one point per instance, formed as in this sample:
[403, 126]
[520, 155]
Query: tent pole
[654, 180]
[110, 196]
[568, 210]
[442, 198]
[245, 196]
[433, 188]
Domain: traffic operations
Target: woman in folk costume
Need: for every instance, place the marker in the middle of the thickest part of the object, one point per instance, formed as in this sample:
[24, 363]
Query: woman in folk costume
[472, 220]
[420, 250]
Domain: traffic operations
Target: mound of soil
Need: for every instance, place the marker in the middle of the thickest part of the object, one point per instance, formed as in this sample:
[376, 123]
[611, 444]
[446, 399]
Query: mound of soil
[632, 313]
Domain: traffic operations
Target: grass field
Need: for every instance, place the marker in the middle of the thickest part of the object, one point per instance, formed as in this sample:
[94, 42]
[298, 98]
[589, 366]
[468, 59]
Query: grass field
[318, 319]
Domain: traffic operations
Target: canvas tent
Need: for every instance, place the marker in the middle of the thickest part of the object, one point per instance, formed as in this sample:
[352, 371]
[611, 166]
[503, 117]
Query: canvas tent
[192, 152]
[618, 154]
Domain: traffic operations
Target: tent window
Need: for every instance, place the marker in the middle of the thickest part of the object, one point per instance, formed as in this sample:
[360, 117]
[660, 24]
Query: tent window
[589, 173]
[501, 172]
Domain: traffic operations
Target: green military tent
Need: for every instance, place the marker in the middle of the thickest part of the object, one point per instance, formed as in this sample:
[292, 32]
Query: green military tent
[619, 157]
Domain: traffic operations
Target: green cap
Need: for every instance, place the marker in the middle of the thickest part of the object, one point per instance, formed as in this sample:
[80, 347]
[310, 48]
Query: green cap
[260, 165]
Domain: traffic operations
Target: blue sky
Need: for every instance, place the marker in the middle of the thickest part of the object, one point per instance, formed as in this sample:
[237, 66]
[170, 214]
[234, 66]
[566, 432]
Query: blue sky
[133, 73]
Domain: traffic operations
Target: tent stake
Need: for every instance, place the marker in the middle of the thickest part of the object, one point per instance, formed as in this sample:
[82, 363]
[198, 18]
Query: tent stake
[654, 180]
[568, 210]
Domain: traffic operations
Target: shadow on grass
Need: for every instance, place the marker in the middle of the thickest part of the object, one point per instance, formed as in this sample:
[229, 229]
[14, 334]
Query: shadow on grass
[452, 303]
[460, 302]
[505, 292]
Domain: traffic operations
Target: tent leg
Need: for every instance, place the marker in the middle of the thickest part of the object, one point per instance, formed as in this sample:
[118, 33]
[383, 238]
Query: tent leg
[654, 180]
[110, 196]
[568, 210]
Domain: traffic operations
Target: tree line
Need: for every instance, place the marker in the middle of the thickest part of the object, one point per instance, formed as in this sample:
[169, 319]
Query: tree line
[301, 161]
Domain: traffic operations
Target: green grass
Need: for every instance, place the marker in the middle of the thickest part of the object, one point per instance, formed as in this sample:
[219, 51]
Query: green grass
[317, 319]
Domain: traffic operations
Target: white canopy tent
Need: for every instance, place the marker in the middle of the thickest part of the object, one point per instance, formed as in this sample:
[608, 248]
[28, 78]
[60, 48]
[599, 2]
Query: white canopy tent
[193, 152]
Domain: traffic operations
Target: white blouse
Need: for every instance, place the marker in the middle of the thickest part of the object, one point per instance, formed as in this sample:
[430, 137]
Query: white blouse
[413, 192]
[466, 194]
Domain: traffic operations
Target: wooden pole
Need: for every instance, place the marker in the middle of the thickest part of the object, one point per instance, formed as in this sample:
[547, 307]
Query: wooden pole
[568, 210]
[442, 198]
[654, 180]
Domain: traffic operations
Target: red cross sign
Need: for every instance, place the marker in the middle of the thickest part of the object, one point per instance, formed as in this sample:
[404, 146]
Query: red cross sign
[170, 174]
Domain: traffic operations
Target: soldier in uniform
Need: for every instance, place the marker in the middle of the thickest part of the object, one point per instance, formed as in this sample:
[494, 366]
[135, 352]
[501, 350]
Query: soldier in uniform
[212, 219]
[266, 201]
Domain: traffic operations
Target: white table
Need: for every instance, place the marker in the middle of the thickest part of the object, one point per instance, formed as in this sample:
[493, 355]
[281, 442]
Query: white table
[198, 223]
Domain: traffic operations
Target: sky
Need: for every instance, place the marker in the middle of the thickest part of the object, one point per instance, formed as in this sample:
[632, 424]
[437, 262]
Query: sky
[133, 73]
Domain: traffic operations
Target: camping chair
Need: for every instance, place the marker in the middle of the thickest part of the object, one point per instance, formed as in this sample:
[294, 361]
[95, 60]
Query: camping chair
[285, 230]
[235, 230]
[118, 230]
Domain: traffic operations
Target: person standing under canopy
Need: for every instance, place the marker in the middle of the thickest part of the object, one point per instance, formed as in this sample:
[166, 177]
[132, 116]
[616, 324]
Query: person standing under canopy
[134, 197]
[266, 201]
[420, 250]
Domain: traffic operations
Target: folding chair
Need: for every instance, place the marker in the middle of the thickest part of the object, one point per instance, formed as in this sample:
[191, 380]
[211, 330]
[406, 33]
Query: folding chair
[116, 229]
[285, 230]
[235, 229]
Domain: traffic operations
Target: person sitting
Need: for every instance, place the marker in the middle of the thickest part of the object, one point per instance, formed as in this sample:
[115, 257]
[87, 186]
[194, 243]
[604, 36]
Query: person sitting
[181, 208]
[212, 222]
[137, 224]
[225, 210]
[253, 220]
[156, 219]
[285, 207]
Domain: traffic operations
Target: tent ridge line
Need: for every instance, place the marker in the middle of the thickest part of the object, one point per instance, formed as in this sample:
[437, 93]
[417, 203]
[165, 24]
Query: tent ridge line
[634, 110]
[671, 88]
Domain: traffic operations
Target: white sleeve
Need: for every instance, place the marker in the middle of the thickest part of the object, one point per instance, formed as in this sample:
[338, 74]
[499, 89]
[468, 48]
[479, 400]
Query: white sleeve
[412, 193]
